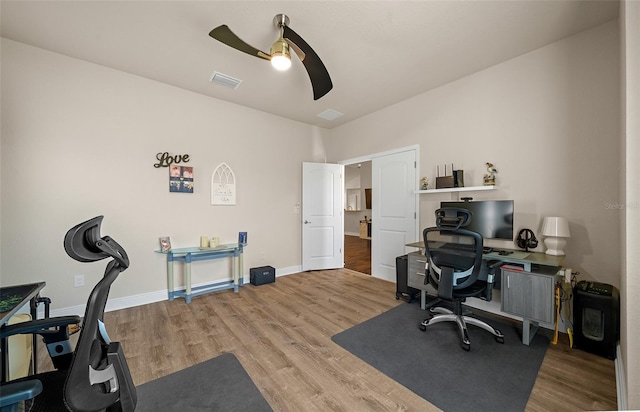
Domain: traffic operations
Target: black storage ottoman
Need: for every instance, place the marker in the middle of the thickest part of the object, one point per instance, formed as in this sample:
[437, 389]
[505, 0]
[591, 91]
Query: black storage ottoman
[262, 275]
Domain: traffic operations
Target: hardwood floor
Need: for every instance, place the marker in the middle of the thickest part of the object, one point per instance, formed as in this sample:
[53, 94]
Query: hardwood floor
[281, 333]
[357, 254]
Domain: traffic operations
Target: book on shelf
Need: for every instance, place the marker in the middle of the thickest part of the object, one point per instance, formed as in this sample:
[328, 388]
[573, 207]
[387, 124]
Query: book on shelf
[516, 268]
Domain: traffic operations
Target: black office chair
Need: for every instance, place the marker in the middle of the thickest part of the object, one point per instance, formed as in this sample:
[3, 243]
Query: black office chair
[454, 260]
[97, 378]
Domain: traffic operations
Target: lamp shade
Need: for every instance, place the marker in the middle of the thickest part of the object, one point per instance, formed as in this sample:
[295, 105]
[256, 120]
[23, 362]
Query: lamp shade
[280, 57]
[556, 227]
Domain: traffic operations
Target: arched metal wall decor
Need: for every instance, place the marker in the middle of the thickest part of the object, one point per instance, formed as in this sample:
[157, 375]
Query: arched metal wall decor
[223, 186]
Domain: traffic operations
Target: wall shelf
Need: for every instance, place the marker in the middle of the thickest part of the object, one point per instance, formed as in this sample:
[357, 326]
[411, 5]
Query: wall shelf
[456, 189]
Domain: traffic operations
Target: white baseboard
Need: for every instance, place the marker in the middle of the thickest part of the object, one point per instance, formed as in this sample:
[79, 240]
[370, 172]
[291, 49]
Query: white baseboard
[114, 303]
[144, 298]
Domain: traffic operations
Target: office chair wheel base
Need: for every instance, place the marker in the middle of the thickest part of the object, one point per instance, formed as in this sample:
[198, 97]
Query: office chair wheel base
[500, 337]
[422, 327]
[466, 346]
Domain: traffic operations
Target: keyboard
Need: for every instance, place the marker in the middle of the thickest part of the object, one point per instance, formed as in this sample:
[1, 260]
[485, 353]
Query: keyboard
[459, 246]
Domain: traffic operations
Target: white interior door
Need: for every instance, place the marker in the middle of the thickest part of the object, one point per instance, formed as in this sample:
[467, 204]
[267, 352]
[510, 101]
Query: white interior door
[394, 216]
[322, 216]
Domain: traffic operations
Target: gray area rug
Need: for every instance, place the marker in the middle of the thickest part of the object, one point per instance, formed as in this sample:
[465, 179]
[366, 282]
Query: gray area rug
[219, 384]
[490, 377]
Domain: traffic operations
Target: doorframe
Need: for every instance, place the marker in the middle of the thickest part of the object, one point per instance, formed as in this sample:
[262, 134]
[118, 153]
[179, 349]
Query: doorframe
[370, 157]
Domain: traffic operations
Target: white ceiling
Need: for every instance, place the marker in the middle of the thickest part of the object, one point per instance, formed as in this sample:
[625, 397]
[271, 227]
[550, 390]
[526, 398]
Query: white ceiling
[377, 52]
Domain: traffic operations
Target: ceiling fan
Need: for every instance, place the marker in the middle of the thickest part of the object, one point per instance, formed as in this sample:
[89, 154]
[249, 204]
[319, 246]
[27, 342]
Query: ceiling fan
[279, 53]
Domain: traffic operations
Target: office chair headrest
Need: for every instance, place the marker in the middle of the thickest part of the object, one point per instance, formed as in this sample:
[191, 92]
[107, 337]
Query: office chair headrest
[453, 218]
[84, 244]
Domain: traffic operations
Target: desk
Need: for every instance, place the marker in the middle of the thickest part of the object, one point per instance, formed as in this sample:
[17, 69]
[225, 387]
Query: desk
[527, 293]
[12, 299]
[515, 256]
[193, 254]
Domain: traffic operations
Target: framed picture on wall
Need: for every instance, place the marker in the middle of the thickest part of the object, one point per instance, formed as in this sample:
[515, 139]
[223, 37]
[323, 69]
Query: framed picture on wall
[180, 179]
[367, 198]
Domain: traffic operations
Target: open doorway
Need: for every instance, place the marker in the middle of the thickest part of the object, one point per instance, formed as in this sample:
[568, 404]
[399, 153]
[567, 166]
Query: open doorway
[357, 217]
[394, 206]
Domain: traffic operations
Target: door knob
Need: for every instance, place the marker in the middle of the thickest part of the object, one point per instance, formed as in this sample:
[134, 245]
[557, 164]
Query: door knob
[306, 222]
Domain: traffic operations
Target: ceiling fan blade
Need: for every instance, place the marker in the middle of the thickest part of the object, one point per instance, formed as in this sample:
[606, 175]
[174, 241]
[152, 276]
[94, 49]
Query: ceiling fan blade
[224, 35]
[320, 79]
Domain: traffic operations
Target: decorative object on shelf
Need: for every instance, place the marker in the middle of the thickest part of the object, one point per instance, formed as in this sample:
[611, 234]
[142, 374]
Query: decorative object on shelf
[165, 244]
[242, 238]
[445, 182]
[214, 242]
[555, 230]
[490, 177]
[223, 186]
[204, 241]
[181, 179]
[424, 183]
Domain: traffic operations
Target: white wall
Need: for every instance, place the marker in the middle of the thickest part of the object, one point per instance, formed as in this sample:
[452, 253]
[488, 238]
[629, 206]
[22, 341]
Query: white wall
[548, 120]
[79, 140]
[630, 292]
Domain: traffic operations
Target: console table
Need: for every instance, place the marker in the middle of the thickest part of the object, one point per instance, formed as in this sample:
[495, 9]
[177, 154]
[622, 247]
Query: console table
[194, 254]
[527, 286]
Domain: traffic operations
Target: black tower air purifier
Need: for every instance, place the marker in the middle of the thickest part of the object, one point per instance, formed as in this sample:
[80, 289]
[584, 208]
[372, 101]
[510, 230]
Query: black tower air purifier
[596, 318]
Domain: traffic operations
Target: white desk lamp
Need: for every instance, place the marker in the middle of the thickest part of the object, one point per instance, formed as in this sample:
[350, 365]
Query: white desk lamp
[555, 229]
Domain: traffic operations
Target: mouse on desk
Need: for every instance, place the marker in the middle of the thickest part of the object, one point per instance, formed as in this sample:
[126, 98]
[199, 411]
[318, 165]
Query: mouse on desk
[505, 252]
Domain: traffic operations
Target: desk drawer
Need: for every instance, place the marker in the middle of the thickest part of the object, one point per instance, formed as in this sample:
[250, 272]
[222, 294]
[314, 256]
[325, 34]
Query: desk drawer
[415, 276]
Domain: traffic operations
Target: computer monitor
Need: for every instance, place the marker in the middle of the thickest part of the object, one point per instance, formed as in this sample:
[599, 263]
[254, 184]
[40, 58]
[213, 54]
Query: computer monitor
[493, 219]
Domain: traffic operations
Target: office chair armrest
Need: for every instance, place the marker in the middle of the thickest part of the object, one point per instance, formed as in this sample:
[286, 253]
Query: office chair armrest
[492, 265]
[13, 393]
[39, 326]
[54, 332]
[445, 286]
[128, 395]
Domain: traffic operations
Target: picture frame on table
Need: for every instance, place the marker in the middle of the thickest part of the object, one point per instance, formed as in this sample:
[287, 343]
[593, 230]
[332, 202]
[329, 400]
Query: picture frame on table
[165, 244]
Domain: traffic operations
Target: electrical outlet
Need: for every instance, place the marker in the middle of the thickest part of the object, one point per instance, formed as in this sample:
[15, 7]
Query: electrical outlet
[261, 255]
[296, 208]
[78, 281]
[567, 275]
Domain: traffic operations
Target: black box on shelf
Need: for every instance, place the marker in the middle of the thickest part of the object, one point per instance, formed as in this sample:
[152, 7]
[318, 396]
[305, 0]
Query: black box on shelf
[262, 275]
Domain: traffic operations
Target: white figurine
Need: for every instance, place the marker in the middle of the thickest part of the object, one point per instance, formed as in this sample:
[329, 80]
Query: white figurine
[424, 184]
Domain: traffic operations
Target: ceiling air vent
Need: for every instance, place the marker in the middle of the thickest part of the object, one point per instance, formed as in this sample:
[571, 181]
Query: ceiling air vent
[330, 114]
[224, 80]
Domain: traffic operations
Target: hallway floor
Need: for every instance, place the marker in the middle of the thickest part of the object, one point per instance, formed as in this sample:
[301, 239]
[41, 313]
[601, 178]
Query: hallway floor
[357, 254]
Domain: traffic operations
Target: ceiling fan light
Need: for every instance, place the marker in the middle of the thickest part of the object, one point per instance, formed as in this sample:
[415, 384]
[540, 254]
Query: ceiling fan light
[280, 57]
[281, 62]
